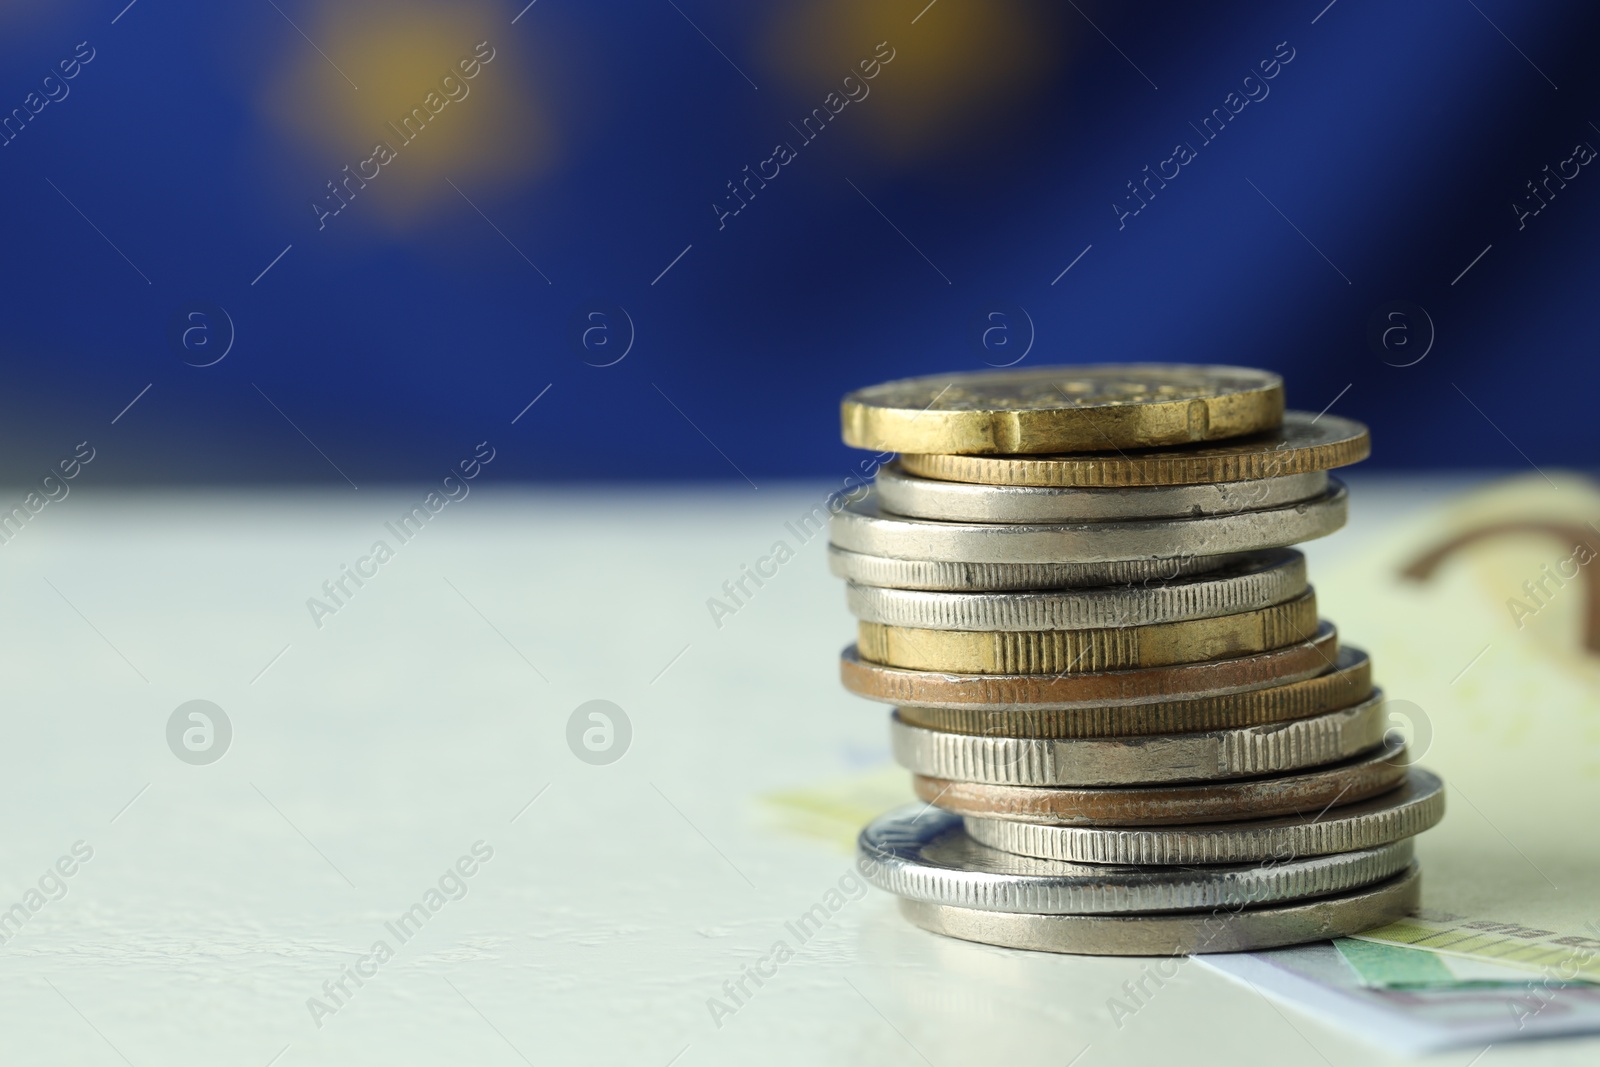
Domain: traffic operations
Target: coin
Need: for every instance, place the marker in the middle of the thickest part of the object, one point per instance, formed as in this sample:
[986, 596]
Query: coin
[1062, 409]
[1304, 443]
[1213, 755]
[1180, 933]
[1417, 805]
[1102, 689]
[1348, 682]
[1258, 581]
[926, 855]
[900, 493]
[1109, 648]
[1166, 805]
[940, 575]
[861, 526]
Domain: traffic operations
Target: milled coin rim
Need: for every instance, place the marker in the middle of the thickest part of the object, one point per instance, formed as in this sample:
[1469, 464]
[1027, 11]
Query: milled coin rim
[861, 526]
[1246, 459]
[1306, 789]
[895, 685]
[1416, 806]
[1347, 682]
[1264, 579]
[1215, 755]
[894, 853]
[903, 493]
[1105, 648]
[1181, 933]
[941, 576]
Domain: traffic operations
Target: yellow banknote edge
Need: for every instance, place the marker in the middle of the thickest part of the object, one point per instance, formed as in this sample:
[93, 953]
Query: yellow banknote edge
[1558, 955]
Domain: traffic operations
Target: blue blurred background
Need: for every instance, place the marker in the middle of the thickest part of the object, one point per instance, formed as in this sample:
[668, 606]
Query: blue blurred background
[562, 230]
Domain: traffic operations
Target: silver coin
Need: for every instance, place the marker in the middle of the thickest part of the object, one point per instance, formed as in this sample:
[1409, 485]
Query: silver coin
[1211, 756]
[1417, 805]
[1259, 581]
[861, 526]
[925, 855]
[864, 569]
[1181, 933]
[900, 493]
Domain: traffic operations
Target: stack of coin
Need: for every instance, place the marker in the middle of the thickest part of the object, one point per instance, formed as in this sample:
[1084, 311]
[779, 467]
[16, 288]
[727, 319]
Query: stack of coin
[1131, 732]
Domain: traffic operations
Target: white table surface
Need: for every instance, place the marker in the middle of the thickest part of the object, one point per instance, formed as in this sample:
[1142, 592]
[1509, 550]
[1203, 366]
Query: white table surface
[379, 748]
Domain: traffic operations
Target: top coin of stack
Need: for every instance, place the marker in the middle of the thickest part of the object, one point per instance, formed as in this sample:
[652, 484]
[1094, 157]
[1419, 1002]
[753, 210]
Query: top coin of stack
[1075, 585]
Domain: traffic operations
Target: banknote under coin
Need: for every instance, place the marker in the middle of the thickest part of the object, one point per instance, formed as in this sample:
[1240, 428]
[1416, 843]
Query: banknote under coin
[1318, 980]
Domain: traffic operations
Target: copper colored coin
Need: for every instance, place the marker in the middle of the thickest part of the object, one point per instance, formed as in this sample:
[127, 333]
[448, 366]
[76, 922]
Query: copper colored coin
[1348, 682]
[1176, 805]
[1101, 689]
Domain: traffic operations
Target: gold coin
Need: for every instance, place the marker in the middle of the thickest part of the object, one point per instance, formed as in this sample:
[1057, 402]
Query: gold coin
[1112, 648]
[1063, 409]
[1304, 443]
[1101, 689]
[1346, 782]
[1346, 684]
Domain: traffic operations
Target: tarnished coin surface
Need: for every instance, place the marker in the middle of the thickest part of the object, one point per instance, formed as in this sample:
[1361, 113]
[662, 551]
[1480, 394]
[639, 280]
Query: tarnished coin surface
[1304, 443]
[1259, 581]
[1109, 648]
[926, 855]
[1348, 682]
[1101, 689]
[1063, 409]
[865, 569]
[1179, 933]
[1417, 805]
[1174, 805]
[1210, 756]
[900, 493]
[861, 526]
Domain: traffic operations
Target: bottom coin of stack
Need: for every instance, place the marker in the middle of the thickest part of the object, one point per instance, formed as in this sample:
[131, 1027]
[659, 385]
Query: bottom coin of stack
[1140, 891]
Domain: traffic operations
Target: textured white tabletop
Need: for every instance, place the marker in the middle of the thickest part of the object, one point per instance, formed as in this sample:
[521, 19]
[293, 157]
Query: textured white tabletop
[368, 756]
